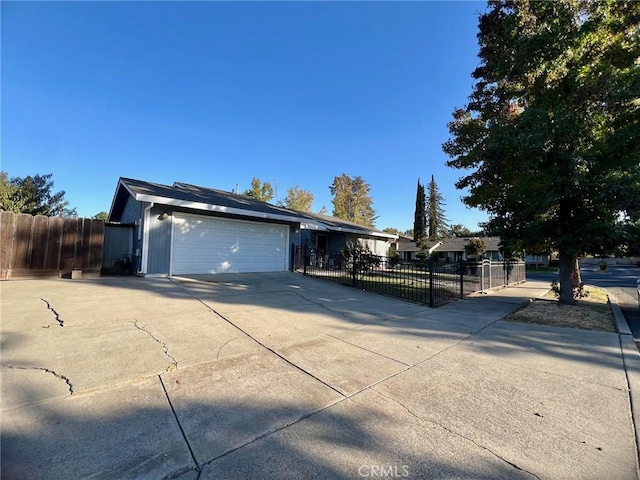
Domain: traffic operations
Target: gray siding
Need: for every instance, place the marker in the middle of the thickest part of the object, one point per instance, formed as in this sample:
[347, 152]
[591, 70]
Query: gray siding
[132, 213]
[118, 241]
[159, 240]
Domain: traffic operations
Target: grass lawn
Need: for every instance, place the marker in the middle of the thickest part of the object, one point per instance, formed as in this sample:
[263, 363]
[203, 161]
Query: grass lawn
[590, 313]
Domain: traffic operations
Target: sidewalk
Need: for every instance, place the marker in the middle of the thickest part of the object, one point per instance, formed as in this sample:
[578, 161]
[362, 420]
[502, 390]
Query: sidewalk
[283, 376]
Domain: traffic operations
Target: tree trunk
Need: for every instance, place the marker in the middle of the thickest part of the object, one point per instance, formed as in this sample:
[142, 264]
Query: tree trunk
[568, 264]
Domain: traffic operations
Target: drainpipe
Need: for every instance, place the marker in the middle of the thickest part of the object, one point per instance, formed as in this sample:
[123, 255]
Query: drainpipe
[145, 239]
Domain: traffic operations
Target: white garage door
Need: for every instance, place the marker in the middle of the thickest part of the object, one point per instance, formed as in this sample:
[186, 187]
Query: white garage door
[215, 245]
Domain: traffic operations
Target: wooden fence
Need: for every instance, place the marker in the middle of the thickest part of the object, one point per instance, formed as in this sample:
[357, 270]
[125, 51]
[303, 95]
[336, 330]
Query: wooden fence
[34, 246]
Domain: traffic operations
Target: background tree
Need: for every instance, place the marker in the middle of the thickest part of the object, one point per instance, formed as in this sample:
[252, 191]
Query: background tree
[437, 227]
[551, 130]
[104, 216]
[351, 200]
[33, 195]
[475, 248]
[11, 198]
[260, 191]
[298, 199]
[392, 231]
[459, 230]
[420, 218]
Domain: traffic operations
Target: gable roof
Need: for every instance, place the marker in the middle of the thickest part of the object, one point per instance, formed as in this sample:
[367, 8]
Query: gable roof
[212, 200]
[407, 245]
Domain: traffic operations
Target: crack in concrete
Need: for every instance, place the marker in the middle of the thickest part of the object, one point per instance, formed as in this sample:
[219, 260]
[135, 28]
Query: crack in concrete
[447, 429]
[55, 374]
[165, 348]
[58, 319]
[222, 346]
[182, 471]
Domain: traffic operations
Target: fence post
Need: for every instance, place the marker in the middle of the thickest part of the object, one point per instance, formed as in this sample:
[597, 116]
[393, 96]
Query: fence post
[461, 277]
[353, 270]
[305, 259]
[432, 266]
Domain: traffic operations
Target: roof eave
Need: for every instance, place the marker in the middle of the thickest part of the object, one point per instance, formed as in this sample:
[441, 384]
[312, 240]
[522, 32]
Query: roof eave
[207, 207]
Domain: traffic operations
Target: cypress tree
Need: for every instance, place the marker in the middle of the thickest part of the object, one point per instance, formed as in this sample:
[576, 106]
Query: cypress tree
[420, 216]
[436, 218]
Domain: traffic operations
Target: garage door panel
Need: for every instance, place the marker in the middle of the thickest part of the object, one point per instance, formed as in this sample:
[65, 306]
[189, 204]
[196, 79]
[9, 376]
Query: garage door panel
[215, 245]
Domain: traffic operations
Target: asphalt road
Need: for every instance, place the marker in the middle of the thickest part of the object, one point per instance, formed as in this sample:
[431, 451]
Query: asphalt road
[617, 279]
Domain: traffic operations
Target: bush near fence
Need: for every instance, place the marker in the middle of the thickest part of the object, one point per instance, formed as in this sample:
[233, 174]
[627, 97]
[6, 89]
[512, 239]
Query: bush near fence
[429, 282]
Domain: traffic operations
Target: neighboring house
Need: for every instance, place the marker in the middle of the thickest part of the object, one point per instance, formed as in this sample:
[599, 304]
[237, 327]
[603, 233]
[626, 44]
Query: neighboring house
[538, 259]
[408, 250]
[448, 249]
[453, 249]
[187, 229]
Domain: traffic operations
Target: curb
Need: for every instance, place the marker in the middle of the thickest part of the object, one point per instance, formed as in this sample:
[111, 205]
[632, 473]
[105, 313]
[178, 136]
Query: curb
[631, 363]
[621, 323]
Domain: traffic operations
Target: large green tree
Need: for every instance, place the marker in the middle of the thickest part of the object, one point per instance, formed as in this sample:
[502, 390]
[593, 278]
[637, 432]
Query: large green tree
[420, 217]
[351, 200]
[33, 195]
[551, 131]
[437, 223]
[259, 190]
[298, 199]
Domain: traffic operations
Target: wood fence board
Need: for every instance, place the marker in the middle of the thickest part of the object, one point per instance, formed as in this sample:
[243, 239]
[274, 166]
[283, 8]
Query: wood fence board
[83, 253]
[54, 244]
[69, 241]
[39, 239]
[7, 234]
[97, 240]
[22, 242]
[40, 246]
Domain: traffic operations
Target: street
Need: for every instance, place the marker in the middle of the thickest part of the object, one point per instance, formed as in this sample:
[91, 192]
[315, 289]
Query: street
[619, 280]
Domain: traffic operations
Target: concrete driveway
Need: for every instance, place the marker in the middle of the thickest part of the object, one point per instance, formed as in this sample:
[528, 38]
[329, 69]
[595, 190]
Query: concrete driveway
[283, 376]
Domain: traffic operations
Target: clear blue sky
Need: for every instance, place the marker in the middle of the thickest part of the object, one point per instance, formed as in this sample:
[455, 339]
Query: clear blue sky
[216, 93]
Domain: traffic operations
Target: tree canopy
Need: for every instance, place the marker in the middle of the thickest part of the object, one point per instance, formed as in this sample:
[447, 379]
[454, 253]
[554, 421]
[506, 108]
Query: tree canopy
[298, 199]
[33, 195]
[351, 200]
[259, 190]
[459, 230]
[551, 130]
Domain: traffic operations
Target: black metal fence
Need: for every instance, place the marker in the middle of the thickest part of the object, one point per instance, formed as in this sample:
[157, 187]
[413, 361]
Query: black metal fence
[430, 282]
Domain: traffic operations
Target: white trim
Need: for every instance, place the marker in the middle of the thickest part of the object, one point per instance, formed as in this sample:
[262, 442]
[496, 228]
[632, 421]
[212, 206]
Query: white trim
[434, 247]
[144, 262]
[218, 208]
[172, 236]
